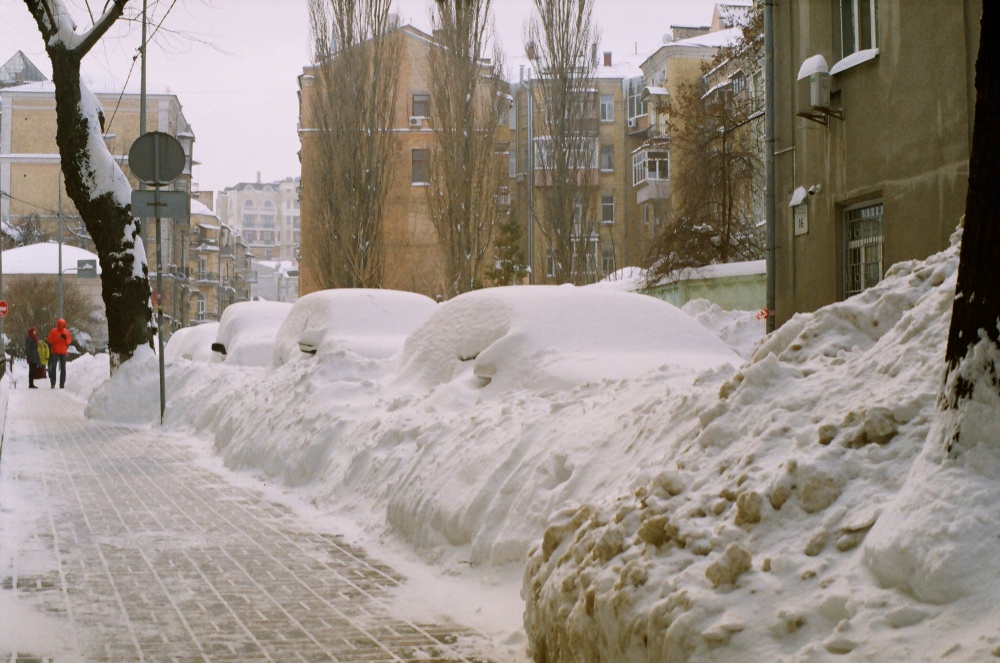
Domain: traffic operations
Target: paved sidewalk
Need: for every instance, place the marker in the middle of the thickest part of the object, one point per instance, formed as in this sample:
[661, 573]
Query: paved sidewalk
[155, 558]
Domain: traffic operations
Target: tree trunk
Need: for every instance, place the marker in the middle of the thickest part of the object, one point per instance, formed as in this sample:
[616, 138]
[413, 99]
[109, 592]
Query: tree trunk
[95, 182]
[973, 346]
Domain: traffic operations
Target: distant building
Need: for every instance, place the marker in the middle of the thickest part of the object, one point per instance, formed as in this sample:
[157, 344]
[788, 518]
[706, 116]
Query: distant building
[218, 270]
[277, 281]
[873, 128]
[267, 216]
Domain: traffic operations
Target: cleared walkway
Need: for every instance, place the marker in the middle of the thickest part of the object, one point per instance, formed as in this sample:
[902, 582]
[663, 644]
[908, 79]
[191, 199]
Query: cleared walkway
[144, 555]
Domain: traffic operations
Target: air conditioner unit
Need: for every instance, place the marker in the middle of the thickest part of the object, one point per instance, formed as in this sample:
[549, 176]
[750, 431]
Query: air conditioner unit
[416, 122]
[633, 123]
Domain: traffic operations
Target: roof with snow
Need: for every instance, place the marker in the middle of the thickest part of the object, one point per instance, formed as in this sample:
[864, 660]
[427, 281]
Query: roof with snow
[19, 70]
[43, 258]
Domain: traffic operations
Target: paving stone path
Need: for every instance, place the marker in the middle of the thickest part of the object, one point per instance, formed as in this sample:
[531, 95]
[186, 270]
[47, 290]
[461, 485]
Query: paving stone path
[154, 557]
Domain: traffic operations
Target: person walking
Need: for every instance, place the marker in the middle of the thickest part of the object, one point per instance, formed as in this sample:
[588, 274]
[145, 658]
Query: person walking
[59, 339]
[31, 354]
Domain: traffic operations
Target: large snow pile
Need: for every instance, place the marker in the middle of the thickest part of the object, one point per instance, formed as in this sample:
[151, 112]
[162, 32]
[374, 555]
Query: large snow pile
[370, 323]
[555, 337]
[788, 509]
[796, 515]
[247, 331]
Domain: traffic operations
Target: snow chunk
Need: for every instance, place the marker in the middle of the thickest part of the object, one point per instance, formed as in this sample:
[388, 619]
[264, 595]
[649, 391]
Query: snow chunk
[853, 60]
[814, 65]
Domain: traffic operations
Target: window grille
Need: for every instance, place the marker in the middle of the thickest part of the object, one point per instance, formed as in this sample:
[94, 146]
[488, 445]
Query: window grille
[862, 248]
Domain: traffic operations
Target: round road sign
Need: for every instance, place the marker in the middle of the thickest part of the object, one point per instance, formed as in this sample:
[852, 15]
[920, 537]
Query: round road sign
[3, 309]
[156, 158]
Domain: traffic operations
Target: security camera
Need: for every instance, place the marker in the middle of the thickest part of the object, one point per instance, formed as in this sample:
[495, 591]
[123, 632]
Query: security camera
[814, 189]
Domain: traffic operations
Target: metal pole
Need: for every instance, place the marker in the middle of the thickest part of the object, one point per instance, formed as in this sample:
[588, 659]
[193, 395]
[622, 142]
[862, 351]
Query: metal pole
[159, 274]
[60, 232]
[530, 176]
[142, 77]
[769, 208]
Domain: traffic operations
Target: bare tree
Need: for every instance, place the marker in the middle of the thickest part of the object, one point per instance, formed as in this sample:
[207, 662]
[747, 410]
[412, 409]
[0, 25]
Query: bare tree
[971, 379]
[357, 56]
[94, 181]
[715, 164]
[562, 43]
[467, 169]
[34, 302]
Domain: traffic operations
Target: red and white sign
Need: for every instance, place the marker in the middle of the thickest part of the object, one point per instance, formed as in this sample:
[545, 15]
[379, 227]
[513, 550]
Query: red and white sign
[3, 309]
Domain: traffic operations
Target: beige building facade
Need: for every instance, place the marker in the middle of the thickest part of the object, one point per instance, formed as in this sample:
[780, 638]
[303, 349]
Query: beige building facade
[874, 101]
[31, 177]
[413, 256]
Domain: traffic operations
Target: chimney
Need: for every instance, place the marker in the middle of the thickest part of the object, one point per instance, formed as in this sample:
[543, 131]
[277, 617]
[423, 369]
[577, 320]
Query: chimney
[607, 58]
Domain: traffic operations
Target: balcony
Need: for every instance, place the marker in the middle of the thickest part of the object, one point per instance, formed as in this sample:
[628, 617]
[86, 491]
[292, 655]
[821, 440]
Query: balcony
[207, 277]
[652, 190]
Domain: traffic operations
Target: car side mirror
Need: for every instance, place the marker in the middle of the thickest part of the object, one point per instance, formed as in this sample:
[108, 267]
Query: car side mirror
[219, 347]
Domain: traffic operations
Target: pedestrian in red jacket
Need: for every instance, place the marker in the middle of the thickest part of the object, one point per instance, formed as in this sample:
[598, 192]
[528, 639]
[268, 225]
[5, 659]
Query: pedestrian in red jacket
[59, 339]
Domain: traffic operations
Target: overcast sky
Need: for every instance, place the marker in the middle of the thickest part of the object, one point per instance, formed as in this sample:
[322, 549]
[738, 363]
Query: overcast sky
[237, 79]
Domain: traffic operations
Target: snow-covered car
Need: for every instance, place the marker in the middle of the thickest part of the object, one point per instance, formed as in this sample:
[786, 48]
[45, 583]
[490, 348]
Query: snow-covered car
[544, 337]
[193, 343]
[247, 331]
[366, 322]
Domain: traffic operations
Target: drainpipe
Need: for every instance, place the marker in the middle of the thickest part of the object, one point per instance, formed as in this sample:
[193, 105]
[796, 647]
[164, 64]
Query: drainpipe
[530, 176]
[769, 210]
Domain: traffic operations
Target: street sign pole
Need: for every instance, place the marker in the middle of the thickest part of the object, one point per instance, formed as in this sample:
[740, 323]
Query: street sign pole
[157, 159]
[159, 280]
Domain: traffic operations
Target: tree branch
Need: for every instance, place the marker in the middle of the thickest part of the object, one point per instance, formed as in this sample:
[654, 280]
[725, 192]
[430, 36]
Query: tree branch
[103, 24]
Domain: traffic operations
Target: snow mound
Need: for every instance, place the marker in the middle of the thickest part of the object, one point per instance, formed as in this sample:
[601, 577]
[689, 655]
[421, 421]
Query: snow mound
[193, 344]
[248, 330]
[806, 514]
[132, 394]
[555, 337]
[370, 323]
[740, 330]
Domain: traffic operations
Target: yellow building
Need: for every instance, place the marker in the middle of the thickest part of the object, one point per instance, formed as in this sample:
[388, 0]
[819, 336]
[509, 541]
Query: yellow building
[30, 176]
[413, 258]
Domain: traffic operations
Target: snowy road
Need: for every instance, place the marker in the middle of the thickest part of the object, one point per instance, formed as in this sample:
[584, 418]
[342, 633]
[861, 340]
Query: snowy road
[115, 545]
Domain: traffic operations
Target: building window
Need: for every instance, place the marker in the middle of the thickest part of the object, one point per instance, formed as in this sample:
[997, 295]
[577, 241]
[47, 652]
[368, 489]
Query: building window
[419, 172]
[739, 81]
[581, 153]
[607, 157]
[201, 307]
[607, 208]
[636, 107]
[862, 247]
[421, 105]
[249, 220]
[608, 261]
[550, 264]
[647, 214]
[607, 108]
[650, 166]
[248, 204]
[858, 25]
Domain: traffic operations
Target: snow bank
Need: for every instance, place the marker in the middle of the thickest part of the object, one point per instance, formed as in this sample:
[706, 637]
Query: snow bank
[193, 344]
[804, 514]
[248, 330]
[371, 323]
[555, 337]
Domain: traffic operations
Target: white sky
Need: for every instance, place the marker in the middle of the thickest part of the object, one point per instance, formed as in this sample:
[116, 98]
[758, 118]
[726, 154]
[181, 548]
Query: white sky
[239, 88]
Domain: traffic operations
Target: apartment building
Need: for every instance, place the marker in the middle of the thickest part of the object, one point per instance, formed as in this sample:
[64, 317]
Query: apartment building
[219, 269]
[266, 215]
[874, 105]
[34, 195]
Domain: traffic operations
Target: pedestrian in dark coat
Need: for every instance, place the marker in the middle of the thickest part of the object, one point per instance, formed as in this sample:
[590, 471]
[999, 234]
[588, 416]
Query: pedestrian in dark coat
[31, 353]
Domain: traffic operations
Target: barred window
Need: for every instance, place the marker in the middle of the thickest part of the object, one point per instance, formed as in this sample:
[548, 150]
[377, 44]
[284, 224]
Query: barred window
[862, 247]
